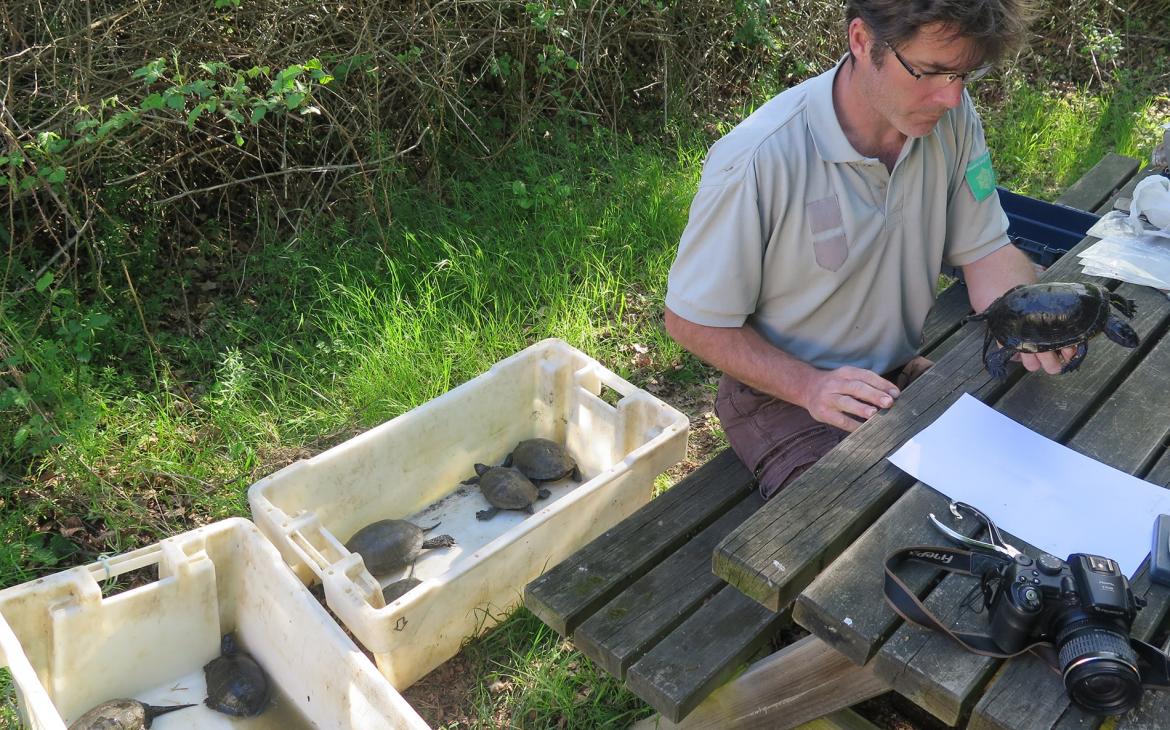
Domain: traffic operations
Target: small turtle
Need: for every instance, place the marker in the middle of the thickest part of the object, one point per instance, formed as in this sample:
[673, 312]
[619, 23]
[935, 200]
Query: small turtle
[505, 487]
[390, 545]
[122, 714]
[398, 589]
[1045, 317]
[542, 460]
[236, 685]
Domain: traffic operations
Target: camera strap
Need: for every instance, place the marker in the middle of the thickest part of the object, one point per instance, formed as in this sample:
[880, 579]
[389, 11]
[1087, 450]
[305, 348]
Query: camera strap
[1154, 664]
[964, 562]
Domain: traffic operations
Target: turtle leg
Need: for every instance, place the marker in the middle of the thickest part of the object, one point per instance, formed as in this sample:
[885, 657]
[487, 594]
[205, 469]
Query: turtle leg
[576, 473]
[1126, 306]
[529, 509]
[442, 541]
[472, 480]
[487, 514]
[507, 460]
[997, 360]
[1121, 333]
[1074, 362]
[543, 494]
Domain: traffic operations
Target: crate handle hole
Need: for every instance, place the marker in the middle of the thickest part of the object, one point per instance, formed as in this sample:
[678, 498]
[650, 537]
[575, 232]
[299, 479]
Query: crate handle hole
[129, 580]
[609, 395]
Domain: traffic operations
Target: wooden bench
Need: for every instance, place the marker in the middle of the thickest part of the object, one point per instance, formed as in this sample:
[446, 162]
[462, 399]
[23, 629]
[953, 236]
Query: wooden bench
[642, 602]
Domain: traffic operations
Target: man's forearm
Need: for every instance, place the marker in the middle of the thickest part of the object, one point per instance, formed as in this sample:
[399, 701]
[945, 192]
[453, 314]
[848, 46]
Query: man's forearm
[995, 273]
[745, 355]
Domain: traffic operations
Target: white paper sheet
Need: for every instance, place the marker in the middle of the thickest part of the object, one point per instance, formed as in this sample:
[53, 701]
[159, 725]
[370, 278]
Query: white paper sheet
[1049, 495]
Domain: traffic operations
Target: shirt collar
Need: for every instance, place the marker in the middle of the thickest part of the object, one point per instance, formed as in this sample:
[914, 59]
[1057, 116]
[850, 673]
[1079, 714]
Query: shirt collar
[823, 125]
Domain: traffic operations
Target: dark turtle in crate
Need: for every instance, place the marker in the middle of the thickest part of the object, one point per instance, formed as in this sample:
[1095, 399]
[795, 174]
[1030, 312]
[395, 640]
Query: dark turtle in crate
[122, 714]
[398, 589]
[1050, 316]
[236, 684]
[387, 546]
[505, 487]
[543, 460]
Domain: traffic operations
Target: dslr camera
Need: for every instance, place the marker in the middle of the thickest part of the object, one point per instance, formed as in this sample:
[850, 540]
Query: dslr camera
[1085, 608]
[1076, 615]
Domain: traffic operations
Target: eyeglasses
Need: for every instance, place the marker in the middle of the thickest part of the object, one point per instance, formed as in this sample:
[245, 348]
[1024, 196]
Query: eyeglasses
[942, 78]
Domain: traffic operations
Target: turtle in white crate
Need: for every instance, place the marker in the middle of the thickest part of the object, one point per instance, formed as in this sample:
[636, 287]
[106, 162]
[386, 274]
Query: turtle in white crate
[387, 546]
[122, 714]
[505, 487]
[236, 683]
[543, 460]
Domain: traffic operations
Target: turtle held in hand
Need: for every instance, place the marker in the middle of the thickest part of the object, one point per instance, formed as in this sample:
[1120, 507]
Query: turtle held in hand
[122, 714]
[505, 487]
[387, 546]
[543, 460]
[1050, 316]
[236, 684]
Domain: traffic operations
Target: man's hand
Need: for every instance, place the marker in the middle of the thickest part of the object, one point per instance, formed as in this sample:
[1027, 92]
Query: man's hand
[1051, 362]
[847, 396]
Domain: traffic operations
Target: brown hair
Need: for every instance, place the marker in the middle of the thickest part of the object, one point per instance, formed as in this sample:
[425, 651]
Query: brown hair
[997, 27]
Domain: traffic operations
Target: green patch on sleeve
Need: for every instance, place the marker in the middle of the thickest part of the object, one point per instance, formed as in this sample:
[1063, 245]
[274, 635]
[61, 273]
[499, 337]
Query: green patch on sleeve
[980, 177]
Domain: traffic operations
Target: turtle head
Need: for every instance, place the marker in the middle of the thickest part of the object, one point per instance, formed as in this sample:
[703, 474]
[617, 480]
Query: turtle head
[227, 645]
[481, 469]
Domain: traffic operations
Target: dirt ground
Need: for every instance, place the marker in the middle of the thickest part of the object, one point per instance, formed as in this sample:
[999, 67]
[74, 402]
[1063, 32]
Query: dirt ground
[443, 697]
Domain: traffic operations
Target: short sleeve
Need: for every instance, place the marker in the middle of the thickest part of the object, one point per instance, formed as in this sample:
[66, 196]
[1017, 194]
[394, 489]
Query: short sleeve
[716, 277]
[976, 223]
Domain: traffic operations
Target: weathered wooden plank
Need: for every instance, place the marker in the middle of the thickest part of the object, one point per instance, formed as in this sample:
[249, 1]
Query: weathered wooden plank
[944, 318]
[800, 682]
[1100, 183]
[703, 652]
[843, 606]
[931, 669]
[626, 627]
[590, 577]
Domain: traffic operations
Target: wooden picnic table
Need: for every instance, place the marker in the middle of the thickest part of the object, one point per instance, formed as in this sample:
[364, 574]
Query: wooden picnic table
[679, 596]
[822, 541]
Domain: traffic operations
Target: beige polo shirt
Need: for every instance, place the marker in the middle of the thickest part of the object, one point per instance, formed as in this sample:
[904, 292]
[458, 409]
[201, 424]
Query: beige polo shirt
[831, 257]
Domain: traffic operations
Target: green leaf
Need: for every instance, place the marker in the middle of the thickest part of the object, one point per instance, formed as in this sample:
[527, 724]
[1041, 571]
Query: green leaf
[57, 175]
[571, 63]
[293, 100]
[258, 114]
[234, 116]
[154, 101]
[43, 282]
[21, 436]
[4, 180]
[175, 99]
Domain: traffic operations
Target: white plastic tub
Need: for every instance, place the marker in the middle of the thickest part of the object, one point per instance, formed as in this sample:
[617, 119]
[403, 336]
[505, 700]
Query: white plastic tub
[69, 648]
[411, 468]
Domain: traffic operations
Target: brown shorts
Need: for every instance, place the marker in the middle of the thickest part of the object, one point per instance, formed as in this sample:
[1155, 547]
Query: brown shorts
[775, 439]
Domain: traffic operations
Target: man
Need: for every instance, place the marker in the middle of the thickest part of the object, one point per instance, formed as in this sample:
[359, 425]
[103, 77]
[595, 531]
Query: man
[822, 221]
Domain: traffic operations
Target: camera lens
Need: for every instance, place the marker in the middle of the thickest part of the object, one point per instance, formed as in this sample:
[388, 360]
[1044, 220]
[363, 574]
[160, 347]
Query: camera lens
[1099, 668]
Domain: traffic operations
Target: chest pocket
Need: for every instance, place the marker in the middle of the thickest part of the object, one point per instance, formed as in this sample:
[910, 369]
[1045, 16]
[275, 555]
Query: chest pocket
[828, 232]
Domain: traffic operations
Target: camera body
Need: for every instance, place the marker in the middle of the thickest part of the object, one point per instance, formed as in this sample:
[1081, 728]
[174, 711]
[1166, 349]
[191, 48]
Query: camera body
[1035, 598]
[1085, 607]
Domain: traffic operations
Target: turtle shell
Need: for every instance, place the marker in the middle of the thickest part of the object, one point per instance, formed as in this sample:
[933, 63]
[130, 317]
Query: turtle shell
[398, 589]
[236, 684]
[542, 460]
[387, 545]
[1043, 317]
[506, 487]
[122, 714]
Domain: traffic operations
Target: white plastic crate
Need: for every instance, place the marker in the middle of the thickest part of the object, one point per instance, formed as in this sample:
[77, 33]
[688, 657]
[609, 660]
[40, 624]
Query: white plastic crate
[69, 648]
[411, 468]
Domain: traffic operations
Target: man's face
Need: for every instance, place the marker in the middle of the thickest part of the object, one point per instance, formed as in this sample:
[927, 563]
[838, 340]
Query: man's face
[912, 105]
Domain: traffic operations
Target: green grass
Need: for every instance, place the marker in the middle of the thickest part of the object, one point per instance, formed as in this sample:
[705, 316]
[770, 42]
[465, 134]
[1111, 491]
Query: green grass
[1043, 140]
[148, 431]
